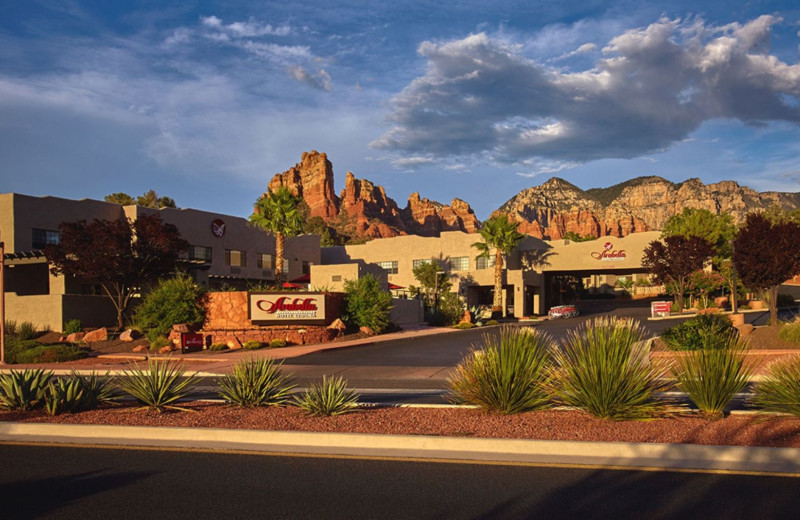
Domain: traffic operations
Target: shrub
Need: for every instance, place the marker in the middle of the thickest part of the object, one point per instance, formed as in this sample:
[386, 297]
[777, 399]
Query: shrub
[26, 330]
[34, 352]
[252, 344]
[255, 383]
[603, 367]
[277, 343]
[158, 386]
[11, 328]
[699, 332]
[790, 331]
[367, 304]
[216, 347]
[23, 390]
[712, 376]
[73, 326]
[174, 300]
[779, 390]
[492, 322]
[159, 342]
[464, 325]
[331, 397]
[448, 312]
[508, 375]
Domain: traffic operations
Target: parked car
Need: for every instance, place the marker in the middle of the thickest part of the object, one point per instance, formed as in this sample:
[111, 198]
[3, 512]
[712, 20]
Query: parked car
[563, 311]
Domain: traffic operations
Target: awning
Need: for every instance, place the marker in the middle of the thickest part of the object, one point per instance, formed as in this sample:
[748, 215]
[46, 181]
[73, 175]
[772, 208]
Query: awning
[306, 278]
[290, 285]
[35, 256]
[393, 287]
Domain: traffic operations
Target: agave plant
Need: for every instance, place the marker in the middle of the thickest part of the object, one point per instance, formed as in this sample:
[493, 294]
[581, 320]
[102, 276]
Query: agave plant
[255, 383]
[331, 397]
[64, 395]
[159, 385]
[779, 391]
[97, 390]
[508, 375]
[712, 376]
[23, 390]
[603, 368]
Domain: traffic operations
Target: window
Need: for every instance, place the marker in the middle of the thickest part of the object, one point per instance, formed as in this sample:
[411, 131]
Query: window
[417, 263]
[336, 278]
[43, 237]
[307, 267]
[285, 266]
[235, 258]
[484, 262]
[266, 261]
[200, 253]
[390, 266]
[459, 263]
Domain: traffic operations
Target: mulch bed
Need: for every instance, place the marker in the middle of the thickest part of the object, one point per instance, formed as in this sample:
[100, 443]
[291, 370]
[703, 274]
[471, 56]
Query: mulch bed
[688, 428]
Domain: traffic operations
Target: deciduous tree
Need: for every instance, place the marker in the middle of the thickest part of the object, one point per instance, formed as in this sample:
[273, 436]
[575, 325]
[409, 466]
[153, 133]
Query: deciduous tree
[120, 255]
[673, 260]
[767, 253]
[716, 229]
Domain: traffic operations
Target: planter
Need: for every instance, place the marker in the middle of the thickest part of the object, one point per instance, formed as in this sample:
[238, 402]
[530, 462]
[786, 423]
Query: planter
[756, 304]
[736, 319]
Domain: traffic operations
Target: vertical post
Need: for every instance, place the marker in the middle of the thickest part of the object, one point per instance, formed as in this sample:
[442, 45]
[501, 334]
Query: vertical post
[734, 307]
[2, 303]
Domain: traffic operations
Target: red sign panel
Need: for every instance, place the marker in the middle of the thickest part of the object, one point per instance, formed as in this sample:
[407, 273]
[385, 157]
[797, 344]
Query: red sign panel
[191, 341]
[660, 309]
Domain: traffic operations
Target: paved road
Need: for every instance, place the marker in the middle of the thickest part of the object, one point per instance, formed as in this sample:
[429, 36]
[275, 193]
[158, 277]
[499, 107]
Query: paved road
[79, 483]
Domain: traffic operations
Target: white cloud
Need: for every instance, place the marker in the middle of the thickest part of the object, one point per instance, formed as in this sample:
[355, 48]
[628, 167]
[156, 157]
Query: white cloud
[652, 88]
[321, 81]
[249, 29]
[411, 162]
[543, 167]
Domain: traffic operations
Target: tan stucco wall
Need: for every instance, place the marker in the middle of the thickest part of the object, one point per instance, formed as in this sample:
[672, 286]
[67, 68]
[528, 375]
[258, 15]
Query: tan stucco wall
[575, 256]
[332, 277]
[43, 310]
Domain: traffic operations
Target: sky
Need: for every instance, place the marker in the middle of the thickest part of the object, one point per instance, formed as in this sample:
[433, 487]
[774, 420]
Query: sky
[205, 101]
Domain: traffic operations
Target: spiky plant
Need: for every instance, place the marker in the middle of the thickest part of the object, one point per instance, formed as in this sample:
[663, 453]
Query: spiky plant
[64, 395]
[255, 382]
[603, 368]
[508, 375]
[97, 389]
[331, 397]
[712, 376]
[23, 390]
[779, 391]
[157, 386]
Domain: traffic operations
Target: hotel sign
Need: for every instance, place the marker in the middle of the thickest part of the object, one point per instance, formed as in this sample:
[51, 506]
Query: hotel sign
[609, 254]
[286, 308]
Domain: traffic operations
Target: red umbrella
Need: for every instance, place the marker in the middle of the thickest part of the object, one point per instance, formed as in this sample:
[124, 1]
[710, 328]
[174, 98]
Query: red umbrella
[393, 287]
[306, 278]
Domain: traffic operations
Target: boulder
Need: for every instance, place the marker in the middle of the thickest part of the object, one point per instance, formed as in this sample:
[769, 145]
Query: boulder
[166, 350]
[140, 348]
[130, 335]
[366, 330]
[745, 329]
[100, 334]
[466, 318]
[181, 327]
[75, 337]
[338, 325]
[233, 343]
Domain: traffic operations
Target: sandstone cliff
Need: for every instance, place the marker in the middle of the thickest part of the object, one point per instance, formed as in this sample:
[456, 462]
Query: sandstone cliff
[363, 210]
[557, 207]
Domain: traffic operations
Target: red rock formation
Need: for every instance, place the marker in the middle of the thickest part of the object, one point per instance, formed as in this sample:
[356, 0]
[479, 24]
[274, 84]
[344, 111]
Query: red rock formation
[312, 179]
[364, 210]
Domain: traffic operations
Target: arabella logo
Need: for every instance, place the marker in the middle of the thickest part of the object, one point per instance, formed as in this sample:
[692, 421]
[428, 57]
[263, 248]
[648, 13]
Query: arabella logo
[218, 228]
[287, 308]
[609, 254]
[285, 304]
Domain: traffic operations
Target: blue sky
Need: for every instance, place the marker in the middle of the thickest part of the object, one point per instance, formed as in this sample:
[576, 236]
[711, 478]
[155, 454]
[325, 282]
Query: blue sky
[205, 101]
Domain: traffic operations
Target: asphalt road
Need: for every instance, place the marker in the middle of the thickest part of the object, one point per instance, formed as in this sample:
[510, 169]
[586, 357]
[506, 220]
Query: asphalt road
[80, 483]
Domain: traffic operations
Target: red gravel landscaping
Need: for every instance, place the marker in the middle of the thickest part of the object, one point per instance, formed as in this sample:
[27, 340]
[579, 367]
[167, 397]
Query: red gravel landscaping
[736, 430]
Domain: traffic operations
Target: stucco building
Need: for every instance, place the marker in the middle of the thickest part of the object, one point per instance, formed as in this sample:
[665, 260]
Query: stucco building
[225, 251]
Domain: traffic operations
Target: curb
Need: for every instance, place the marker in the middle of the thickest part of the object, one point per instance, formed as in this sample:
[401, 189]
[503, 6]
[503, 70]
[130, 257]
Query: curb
[611, 454]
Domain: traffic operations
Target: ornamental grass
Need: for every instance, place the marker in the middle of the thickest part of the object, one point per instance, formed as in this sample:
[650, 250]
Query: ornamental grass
[255, 382]
[508, 375]
[779, 391]
[331, 397]
[603, 368]
[712, 376]
[157, 386]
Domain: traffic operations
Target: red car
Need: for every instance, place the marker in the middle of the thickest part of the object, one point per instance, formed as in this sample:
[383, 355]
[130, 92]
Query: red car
[563, 311]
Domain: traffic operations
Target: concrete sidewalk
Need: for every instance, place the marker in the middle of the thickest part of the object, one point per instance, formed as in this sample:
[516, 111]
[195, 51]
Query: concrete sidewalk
[784, 461]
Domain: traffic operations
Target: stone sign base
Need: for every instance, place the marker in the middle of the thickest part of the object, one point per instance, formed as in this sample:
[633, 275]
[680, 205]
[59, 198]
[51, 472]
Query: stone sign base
[292, 335]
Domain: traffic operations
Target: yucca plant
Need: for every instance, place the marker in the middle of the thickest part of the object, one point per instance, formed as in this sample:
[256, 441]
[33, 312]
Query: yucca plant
[712, 376]
[23, 390]
[64, 395]
[779, 391]
[604, 369]
[255, 382]
[97, 390]
[157, 386]
[508, 375]
[331, 397]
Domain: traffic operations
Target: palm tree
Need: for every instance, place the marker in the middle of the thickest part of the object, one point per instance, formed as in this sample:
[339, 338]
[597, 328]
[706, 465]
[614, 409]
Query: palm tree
[498, 233]
[276, 212]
